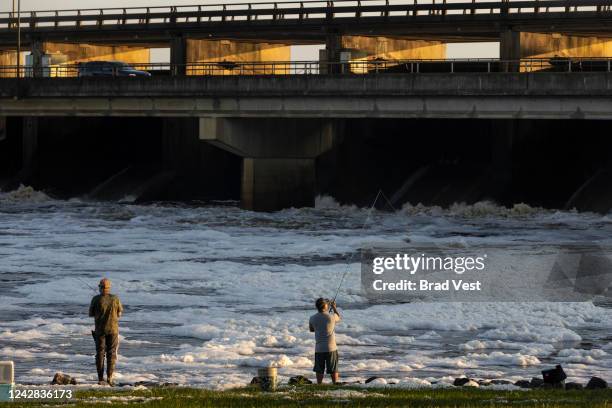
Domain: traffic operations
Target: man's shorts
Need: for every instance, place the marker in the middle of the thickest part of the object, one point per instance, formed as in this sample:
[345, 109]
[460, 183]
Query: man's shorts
[326, 359]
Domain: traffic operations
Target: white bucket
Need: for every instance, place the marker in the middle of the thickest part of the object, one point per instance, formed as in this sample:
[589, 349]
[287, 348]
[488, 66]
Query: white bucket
[7, 372]
[267, 378]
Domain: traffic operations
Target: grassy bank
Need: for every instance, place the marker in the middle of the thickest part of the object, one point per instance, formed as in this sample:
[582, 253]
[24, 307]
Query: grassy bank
[313, 396]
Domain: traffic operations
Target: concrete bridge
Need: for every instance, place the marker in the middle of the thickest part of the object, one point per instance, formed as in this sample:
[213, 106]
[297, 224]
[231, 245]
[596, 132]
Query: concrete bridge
[538, 95]
[280, 121]
[280, 125]
[312, 21]
[350, 30]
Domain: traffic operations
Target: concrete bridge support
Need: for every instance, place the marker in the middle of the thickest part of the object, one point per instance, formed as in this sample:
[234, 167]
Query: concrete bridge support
[516, 45]
[178, 55]
[339, 48]
[29, 152]
[278, 166]
[226, 52]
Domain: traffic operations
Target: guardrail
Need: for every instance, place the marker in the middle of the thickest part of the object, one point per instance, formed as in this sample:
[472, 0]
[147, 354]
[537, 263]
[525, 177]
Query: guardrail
[289, 10]
[355, 67]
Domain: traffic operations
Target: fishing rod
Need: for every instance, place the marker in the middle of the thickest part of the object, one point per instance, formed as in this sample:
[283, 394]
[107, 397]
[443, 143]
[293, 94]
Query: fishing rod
[380, 194]
[348, 263]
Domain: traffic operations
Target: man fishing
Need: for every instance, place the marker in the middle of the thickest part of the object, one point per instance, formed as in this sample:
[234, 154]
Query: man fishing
[106, 309]
[323, 324]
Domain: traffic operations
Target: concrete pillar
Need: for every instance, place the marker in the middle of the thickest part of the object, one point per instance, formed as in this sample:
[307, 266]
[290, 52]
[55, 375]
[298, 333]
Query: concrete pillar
[364, 48]
[272, 184]
[330, 57]
[178, 55]
[228, 52]
[29, 150]
[37, 53]
[279, 155]
[510, 50]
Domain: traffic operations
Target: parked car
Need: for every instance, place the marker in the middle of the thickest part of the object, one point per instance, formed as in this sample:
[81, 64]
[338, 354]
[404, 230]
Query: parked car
[109, 68]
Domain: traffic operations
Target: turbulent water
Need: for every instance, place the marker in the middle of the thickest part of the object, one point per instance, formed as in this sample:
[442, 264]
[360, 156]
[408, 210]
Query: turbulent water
[211, 293]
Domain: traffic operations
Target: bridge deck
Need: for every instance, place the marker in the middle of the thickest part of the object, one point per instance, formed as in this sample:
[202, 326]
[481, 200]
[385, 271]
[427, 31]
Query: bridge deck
[310, 21]
[467, 95]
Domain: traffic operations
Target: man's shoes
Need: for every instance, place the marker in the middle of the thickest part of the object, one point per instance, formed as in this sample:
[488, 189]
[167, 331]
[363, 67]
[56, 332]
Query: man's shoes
[110, 381]
[101, 382]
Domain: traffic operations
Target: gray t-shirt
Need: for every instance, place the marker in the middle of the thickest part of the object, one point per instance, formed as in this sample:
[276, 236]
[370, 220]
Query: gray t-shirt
[324, 325]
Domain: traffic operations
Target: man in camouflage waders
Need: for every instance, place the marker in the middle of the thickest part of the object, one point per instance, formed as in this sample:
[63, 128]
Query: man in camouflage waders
[106, 309]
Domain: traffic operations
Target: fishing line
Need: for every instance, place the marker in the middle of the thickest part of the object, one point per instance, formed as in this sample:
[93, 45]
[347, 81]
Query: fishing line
[348, 263]
[85, 283]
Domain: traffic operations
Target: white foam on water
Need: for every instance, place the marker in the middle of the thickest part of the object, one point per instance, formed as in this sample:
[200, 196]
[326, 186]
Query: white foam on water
[24, 194]
[213, 293]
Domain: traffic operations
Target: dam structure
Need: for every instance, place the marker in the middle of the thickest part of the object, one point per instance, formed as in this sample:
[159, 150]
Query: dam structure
[230, 115]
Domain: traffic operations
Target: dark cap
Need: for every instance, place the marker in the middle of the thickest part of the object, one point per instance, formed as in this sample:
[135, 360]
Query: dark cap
[320, 303]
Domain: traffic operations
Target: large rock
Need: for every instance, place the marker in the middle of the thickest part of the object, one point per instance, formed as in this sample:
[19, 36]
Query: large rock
[459, 382]
[523, 384]
[63, 379]
[465, 382]
[536, 382]
[500, 382]
[573, 386]
[369, 380]
[596, 383]
[299, 380]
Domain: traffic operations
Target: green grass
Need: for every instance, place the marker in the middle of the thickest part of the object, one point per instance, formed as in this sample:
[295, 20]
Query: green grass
[325, 396]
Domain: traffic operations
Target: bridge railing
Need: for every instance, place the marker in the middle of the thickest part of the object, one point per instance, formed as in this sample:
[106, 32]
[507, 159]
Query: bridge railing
[289, 10]
[354, 67]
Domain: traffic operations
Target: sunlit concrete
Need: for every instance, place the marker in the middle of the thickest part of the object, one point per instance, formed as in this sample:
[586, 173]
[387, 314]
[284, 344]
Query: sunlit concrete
[7, 58]
[516, 45]
[75, 53]
[226, 52]
[361, 48]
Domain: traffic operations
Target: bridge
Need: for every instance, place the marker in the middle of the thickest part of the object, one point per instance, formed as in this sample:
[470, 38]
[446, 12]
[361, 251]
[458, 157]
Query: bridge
[231, 94]
[312, 21]
[535, 95]
[349, 29]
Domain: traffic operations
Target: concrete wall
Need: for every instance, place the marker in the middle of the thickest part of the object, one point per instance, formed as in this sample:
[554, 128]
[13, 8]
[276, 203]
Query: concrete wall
[370, 48]
[277, 183]
[536, 45]
[362, 48]
[265, 138]
[516, 45]
[7, 58]
[235, 51]
[3, 128]
[278, 165]
[86, 52]
[463, 95]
